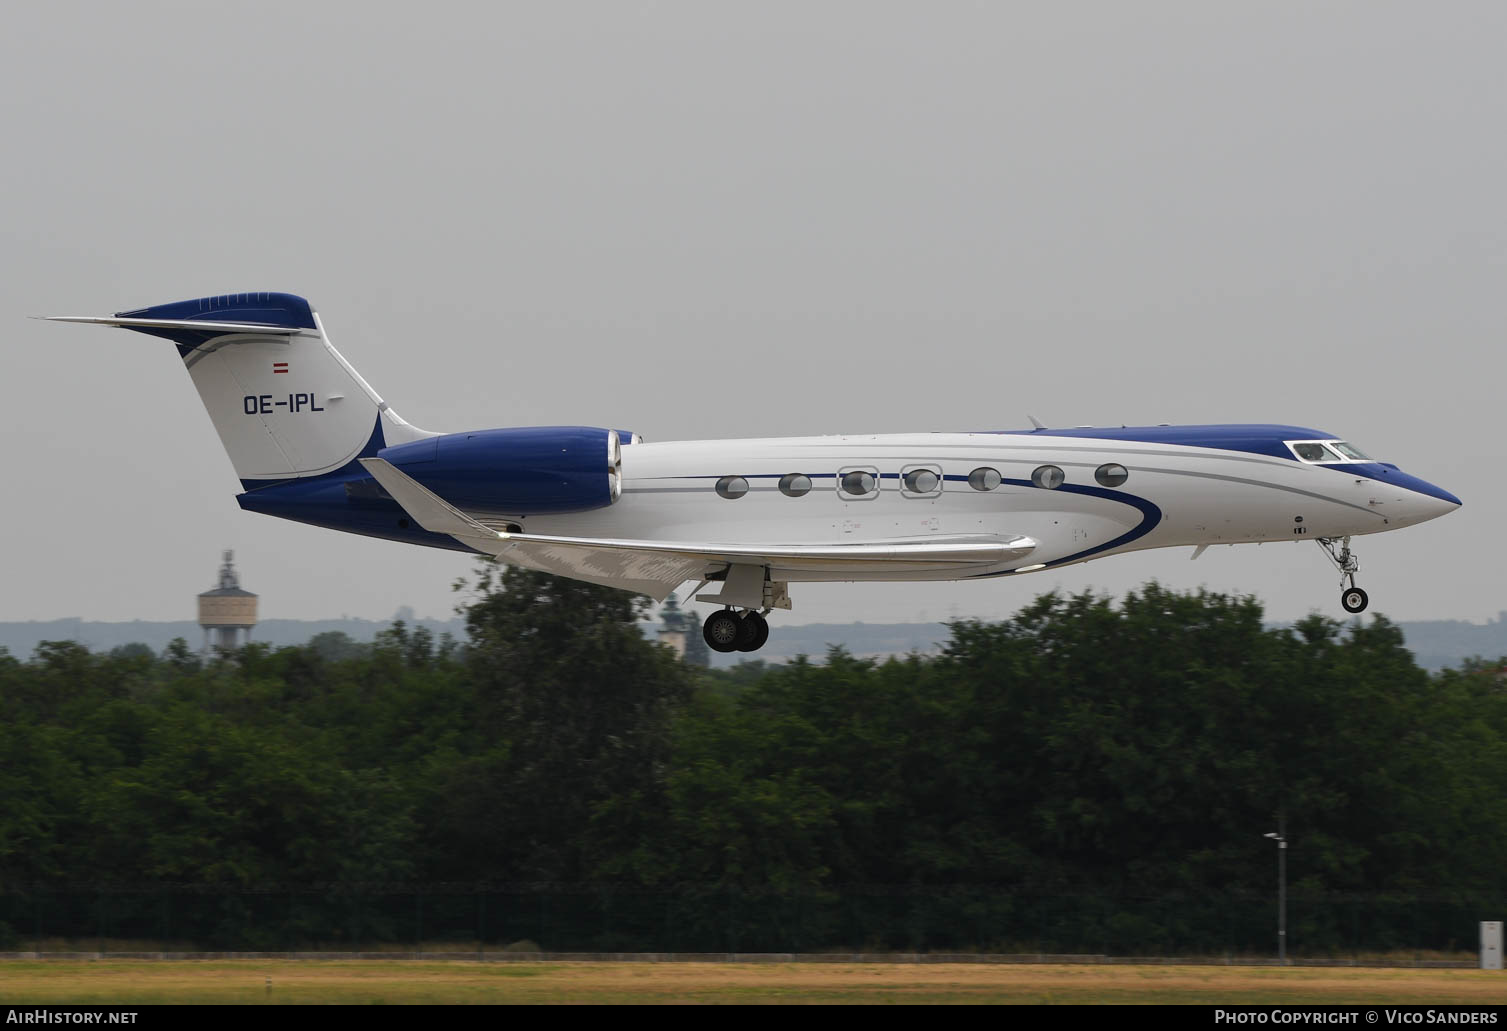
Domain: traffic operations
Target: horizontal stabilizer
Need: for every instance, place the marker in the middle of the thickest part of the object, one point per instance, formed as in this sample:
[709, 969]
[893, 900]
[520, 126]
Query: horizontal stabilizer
[197, 325]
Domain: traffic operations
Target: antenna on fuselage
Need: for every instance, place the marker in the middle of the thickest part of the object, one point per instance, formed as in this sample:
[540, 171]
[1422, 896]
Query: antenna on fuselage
[1036, 422]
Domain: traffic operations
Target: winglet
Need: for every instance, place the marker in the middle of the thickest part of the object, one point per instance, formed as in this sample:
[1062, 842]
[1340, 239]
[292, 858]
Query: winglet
[428, 509]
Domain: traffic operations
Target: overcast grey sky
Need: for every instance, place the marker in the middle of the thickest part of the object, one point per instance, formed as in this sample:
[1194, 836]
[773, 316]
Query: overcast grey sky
[714, 219]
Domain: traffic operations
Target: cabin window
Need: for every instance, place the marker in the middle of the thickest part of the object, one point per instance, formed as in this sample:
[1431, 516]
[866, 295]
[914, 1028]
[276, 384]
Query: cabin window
[1111, 475]
[795, 485]
[920, 481]
[732, 487]
[1048, 477]
[858, 483]
[984, 478]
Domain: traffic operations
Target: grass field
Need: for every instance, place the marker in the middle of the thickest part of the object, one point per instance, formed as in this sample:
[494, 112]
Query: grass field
[262, 982]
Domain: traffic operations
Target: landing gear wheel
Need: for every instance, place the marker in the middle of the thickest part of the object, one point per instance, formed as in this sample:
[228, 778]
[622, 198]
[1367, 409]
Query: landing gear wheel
[753, 631]
[721, 630]
[1352, 598]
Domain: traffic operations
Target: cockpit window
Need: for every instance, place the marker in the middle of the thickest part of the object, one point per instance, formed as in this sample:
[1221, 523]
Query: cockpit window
[1313, 452]
[1327, 451]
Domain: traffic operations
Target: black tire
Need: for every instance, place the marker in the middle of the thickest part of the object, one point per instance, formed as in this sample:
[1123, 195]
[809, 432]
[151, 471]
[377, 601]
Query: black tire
[1354, 600]
[720, 631]
[753, 631]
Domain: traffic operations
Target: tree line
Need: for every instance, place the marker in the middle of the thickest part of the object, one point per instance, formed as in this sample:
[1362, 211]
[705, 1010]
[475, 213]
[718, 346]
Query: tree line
[1089, 775]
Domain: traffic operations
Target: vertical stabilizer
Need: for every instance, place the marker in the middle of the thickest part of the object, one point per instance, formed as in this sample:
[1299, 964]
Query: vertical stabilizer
[285, 403]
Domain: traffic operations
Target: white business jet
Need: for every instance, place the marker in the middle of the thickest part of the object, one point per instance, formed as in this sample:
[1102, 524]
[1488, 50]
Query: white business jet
[311, 441]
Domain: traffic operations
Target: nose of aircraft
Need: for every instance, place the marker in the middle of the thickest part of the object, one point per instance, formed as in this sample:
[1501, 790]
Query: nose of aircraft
[1429, 501]
[1407, 499]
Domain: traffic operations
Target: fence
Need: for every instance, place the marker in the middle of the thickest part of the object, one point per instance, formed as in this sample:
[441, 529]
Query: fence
[602, 918]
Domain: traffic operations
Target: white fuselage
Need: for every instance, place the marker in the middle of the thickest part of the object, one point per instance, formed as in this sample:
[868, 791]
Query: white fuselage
[1174, 495]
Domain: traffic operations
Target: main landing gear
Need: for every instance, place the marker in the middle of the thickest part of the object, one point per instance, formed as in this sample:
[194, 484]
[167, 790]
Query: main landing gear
[1352, 598]
[735, 630]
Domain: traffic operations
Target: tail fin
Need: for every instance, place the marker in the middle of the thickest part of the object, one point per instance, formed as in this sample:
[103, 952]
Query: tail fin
[284, 401]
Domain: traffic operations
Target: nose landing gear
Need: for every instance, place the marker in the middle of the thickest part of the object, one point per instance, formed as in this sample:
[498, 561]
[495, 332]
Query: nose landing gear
[731, 630]
[1352, 598]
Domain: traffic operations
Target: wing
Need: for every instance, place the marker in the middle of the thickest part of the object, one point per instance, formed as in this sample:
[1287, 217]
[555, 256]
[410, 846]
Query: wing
[656, 568]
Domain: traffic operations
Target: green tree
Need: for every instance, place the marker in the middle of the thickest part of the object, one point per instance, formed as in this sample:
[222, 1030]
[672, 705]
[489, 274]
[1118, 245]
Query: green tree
[576, 709]
[336, 646]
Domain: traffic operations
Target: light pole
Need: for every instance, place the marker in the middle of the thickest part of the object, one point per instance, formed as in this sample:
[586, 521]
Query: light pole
[1281, 841]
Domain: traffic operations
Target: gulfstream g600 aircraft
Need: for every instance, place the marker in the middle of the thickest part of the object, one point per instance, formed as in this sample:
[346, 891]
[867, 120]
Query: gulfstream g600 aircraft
[311, 441]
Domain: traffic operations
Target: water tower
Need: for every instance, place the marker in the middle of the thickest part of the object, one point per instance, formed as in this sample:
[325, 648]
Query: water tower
[226, 611]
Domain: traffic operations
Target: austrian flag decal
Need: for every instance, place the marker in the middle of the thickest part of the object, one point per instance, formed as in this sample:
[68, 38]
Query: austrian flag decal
[279, 367]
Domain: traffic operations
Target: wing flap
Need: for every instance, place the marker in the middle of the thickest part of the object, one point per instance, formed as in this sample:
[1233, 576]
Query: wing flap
[910, 553]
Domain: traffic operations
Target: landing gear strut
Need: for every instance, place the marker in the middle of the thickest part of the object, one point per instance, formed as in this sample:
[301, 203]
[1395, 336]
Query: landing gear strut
[731, 630]
[1352, 598]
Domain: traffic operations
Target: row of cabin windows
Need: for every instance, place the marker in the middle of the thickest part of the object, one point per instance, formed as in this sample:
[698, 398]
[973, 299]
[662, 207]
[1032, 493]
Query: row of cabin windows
[920, 481]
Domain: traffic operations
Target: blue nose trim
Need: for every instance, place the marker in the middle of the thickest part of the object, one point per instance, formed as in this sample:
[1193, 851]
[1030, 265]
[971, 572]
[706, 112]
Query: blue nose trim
[1425, 487]
[1388, 473]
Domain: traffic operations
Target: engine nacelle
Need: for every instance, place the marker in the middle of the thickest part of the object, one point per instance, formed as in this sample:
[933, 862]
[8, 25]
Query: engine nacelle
[524, 471]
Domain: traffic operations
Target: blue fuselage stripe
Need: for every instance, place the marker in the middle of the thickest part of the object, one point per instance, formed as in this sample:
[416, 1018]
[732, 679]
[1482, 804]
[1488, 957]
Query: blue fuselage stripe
[1151, 516]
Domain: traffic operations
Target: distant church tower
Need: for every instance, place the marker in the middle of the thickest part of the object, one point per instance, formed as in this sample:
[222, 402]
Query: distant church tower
[672, 626]
[678, 629]
[227, 610]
